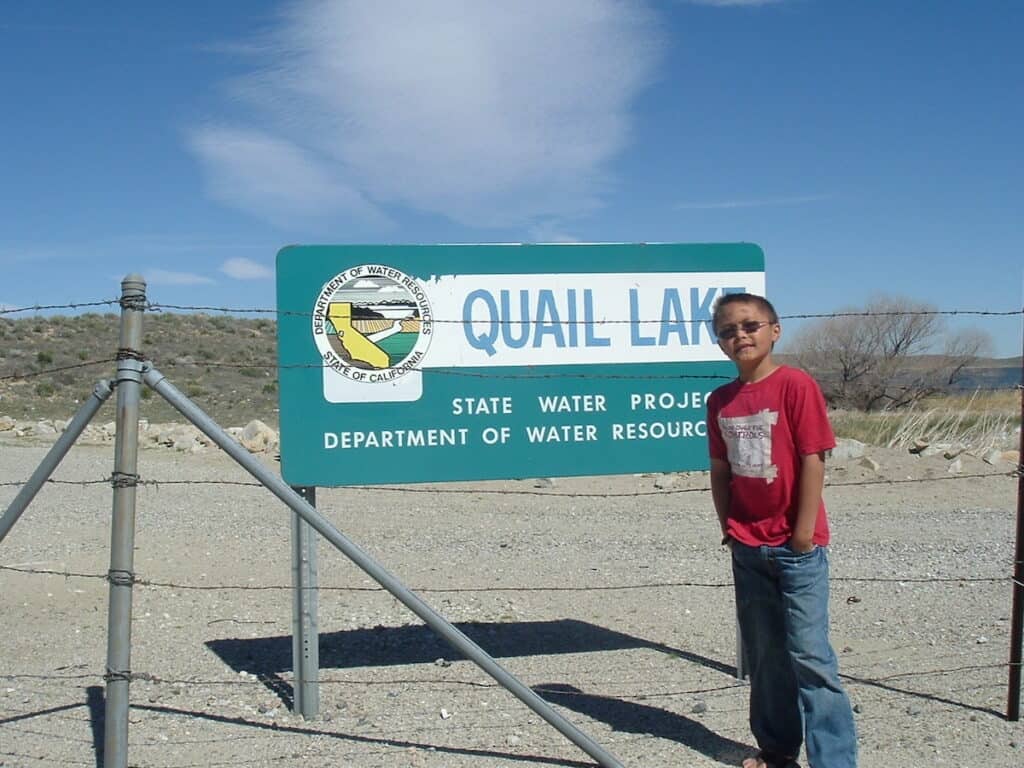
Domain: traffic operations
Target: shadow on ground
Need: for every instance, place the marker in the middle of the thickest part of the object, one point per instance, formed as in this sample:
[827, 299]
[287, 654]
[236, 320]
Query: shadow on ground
[268, 657]
[418, 644]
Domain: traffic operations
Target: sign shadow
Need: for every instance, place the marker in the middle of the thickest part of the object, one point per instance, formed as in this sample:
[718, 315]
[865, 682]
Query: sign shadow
[267, 657]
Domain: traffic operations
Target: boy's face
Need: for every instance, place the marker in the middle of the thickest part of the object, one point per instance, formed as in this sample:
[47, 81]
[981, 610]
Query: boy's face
[746, 334]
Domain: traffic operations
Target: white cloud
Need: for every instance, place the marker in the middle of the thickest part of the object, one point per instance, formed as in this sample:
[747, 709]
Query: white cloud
[488, 113]
[245, 269]
[167, 277]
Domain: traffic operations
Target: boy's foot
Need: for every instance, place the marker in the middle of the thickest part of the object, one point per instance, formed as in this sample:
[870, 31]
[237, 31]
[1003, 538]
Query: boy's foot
[770, 760]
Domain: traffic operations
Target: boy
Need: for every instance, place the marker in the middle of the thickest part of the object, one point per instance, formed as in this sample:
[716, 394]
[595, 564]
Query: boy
[768, 433]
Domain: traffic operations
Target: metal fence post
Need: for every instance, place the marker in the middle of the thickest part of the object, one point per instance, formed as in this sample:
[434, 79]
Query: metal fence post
[305, 623]
[1017, 611]
[122, 528]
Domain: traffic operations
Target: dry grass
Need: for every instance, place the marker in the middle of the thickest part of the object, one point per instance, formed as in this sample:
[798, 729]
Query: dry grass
[980, 420]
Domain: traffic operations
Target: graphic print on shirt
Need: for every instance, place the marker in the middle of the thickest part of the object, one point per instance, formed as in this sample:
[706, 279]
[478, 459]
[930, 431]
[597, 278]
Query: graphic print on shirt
[748, 440]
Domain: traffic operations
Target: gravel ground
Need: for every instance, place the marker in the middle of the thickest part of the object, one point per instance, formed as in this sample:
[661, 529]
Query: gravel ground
[618, 609]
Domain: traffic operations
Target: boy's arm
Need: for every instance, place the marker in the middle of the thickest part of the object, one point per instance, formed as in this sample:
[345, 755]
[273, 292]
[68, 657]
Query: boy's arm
[721, 476]
[812, 481]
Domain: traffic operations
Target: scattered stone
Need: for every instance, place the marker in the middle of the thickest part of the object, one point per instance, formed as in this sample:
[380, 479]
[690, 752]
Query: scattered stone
[1010, 457]
[445, 714]
[934, 449]
[919, 445]
[7, 423]
[995, 456]
[981, 640]
[512, 740]
[543, 482]
[955, 467]
[699, 708]
[442, 663]
[953, 451]
[869, 463]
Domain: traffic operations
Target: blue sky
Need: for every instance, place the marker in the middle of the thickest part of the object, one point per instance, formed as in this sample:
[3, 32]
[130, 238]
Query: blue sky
[869, 147]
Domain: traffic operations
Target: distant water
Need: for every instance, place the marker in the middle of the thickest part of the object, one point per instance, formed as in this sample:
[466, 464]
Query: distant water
[990, 378]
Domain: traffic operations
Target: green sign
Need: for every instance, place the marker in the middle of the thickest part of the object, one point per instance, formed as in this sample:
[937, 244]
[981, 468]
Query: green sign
[422, 363]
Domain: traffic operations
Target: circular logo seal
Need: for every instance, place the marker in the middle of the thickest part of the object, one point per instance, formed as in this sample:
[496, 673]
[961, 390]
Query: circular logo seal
[372, 323]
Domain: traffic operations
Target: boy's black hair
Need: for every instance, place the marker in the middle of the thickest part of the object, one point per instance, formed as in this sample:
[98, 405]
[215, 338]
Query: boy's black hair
[742, 298]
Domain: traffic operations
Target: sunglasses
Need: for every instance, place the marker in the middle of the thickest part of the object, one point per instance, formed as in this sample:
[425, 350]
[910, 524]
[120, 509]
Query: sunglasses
[749, 327]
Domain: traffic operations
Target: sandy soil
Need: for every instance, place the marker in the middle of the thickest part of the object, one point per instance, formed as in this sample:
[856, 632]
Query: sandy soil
[618, 608]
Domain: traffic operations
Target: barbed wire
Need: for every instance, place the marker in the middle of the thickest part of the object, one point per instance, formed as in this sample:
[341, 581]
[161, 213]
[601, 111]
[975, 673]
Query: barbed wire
[47, 307]
[682, 584]
[476, 490]
[160, 306]
[474, 374]
[251, 679]
[60, 369]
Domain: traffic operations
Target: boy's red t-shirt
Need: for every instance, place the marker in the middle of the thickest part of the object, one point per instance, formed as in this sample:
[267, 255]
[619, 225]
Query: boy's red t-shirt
[763, 430]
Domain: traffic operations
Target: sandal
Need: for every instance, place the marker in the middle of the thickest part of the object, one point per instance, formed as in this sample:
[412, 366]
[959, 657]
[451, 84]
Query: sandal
[775, 760]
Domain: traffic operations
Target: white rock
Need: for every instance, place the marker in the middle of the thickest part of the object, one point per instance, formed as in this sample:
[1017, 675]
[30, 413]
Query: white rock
[257, 437]
[847, 448]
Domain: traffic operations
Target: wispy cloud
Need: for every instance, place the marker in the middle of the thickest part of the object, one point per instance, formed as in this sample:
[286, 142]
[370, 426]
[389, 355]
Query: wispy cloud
[750, 203]
[491, 114]
[160, 277]
[276, 179]
[245, 269]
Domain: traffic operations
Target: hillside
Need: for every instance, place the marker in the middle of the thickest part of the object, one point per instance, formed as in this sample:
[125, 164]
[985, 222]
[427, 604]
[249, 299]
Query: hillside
[205, 356]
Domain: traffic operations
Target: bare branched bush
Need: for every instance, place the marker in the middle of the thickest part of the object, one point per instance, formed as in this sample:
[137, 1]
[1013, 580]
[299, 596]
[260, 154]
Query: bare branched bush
[892, 356]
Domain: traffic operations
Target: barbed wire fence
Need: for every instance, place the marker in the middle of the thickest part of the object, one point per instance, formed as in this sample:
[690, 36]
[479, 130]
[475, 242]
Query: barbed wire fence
[88, 681]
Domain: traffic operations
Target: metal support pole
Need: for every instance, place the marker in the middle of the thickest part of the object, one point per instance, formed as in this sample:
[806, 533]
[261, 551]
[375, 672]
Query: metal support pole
[1017, 611]
[48, 465]
[122, 527]
[413, 602]
[305, 622]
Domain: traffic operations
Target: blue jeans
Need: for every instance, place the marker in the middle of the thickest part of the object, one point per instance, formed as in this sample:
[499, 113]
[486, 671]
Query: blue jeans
[782, 607]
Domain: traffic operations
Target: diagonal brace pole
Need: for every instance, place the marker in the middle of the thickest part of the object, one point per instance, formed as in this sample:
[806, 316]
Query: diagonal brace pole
[391, 583]
[100, 394]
